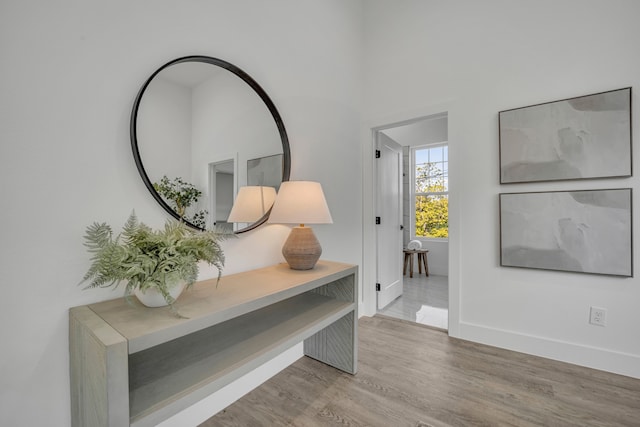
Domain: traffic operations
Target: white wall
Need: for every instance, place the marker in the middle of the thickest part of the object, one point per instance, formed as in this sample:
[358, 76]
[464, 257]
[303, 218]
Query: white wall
[164, 130]
[70, 72]
[474, 59]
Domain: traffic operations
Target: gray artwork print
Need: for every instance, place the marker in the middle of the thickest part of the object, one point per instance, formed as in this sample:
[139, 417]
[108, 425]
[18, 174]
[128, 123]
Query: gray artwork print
[265, 171]
[585, 137]
[579, 231]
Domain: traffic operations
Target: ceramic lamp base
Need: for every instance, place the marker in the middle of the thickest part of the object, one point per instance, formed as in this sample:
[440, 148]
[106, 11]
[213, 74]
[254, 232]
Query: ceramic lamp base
[302, 249]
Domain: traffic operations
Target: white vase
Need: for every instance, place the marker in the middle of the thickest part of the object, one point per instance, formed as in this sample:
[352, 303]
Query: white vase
[151, 297]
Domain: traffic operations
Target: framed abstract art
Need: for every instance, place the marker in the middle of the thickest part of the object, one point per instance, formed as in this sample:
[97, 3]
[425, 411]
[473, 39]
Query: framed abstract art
[577, 138]
[587, 231]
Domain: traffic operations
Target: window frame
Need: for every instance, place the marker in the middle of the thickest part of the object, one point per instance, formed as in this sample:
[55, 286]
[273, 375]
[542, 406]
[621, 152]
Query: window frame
[413, 193]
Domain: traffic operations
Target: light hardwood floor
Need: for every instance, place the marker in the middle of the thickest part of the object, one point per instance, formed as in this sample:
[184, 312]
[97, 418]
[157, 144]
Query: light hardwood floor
[425, 299]
[411, 375]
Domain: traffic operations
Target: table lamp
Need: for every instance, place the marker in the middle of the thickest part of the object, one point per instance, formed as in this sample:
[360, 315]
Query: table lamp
[301, 202]
[251, 203]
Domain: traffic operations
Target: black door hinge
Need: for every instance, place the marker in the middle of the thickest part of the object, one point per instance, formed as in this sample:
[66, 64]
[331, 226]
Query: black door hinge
[401, 227]
[377, 220]
[378, 287]
[377, 154]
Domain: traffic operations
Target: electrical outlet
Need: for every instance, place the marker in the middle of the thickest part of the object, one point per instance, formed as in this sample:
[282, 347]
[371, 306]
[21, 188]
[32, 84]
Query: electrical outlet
[598, 316]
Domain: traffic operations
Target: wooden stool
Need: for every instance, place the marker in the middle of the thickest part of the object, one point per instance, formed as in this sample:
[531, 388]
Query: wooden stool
[422, 260]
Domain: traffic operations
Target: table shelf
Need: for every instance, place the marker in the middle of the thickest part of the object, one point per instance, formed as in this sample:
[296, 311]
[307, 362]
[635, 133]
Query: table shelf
[231, 330]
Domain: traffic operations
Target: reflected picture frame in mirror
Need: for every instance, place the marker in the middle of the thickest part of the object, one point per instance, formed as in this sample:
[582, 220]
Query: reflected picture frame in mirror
[147, 149]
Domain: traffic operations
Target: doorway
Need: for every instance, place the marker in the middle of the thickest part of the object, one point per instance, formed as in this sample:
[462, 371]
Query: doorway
[222, 186]
[424, 143]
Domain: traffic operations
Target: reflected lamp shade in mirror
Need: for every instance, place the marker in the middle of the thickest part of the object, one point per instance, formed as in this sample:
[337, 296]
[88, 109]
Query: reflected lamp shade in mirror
[301, 202]
[252, 203]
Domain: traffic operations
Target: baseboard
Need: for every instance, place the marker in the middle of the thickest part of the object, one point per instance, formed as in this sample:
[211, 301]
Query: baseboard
[577, 354]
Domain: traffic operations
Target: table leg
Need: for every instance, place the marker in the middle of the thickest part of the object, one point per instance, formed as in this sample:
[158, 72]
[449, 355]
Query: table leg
[406, 261]
[410, 265]
[426, 264]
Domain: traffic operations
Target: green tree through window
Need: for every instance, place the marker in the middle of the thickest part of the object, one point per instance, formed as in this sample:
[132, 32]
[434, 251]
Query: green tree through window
[431, 191]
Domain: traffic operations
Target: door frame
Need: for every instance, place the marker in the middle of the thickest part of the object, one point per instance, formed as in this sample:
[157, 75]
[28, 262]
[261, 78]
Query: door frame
[368, 298]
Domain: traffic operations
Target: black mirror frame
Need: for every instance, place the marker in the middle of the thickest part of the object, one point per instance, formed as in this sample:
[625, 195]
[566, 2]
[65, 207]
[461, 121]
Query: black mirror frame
[286, 154]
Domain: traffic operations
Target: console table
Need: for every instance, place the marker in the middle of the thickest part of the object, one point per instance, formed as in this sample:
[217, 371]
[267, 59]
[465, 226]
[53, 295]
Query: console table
[137, 366]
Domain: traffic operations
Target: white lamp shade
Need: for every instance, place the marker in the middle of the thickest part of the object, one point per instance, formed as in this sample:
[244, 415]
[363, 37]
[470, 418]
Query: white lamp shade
[300, 202]
[251, 203]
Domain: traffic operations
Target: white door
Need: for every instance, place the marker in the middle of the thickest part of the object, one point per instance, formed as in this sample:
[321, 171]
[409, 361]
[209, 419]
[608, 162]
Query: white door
[389, 231]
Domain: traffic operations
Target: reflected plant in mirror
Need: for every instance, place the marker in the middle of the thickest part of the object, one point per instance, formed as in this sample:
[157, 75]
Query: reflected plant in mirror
[181, 195]
[211, 125]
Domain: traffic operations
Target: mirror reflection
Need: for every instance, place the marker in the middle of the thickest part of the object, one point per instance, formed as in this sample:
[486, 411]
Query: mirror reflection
[201, 130]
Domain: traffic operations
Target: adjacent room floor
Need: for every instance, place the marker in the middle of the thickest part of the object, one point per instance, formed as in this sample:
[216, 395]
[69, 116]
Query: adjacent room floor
[415, 376]
[425, 300]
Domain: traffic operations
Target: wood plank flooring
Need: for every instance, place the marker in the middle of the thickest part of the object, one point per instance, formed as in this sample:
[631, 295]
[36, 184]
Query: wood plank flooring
[411, 375]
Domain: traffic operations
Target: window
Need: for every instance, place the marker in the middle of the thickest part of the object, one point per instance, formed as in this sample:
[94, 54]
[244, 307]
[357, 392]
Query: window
[430, 191]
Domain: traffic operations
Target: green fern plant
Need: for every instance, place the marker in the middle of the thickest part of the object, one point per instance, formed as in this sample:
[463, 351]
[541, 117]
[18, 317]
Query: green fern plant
[146, 258]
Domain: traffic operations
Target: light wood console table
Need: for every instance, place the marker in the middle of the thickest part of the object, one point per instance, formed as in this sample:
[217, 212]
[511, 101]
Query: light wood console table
[138, 366]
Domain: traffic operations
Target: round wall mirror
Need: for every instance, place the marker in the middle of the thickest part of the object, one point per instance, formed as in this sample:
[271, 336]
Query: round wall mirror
[201, 129]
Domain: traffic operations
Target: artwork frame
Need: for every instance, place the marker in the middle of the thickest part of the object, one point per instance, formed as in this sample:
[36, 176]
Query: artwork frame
[265, 171]
[580, 231]
[584, 137]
